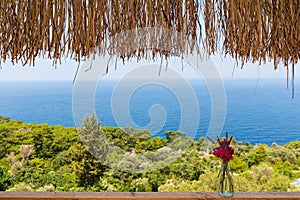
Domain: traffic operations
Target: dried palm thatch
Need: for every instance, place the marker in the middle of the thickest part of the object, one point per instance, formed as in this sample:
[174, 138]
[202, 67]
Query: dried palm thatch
[77, 28]
[248, 30]
[258, 30]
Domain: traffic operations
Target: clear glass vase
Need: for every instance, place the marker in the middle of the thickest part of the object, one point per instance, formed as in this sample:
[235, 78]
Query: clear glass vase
[225, 182]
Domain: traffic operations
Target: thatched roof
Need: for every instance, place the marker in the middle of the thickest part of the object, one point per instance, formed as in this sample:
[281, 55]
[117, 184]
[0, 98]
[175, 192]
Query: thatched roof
[248, 30]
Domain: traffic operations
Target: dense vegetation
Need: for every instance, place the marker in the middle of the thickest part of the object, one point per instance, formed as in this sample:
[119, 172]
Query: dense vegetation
[39, 157]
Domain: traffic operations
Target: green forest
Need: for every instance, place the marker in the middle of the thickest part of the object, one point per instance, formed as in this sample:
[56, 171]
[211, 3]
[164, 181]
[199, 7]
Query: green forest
[39, 157]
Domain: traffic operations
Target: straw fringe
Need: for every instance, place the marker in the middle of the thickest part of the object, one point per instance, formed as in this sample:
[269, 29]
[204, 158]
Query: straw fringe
[249, 30]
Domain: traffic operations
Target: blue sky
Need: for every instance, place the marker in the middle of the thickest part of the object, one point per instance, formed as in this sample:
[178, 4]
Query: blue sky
[65, 71]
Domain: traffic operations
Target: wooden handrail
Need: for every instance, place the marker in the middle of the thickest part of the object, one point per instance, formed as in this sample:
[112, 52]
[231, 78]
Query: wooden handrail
[143, 195]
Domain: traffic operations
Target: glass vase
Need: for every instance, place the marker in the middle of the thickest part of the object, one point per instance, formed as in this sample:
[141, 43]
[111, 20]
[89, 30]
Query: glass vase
[225, 182]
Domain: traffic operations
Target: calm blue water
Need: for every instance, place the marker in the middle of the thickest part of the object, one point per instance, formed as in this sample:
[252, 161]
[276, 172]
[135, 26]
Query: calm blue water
[262, 114]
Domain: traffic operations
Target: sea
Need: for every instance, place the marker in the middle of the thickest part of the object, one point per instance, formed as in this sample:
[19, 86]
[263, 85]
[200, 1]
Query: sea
[255, 111]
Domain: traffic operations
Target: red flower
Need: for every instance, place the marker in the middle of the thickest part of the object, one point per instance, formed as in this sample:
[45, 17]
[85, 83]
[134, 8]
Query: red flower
[224, 151]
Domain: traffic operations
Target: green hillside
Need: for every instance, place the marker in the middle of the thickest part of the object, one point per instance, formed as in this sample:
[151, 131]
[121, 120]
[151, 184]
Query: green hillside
[39, 157]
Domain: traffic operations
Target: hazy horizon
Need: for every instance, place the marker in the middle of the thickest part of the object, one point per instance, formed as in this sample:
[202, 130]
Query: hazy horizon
[45, 71]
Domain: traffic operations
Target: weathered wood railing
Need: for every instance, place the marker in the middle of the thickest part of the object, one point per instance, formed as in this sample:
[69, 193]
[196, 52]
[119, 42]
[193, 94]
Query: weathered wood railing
[142, 196]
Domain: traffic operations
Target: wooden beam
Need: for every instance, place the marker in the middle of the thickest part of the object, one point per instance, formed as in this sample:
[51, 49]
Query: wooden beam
[143, 195]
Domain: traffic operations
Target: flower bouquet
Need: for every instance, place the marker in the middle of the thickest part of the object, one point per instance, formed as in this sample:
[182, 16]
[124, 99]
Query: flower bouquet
[225, 153]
